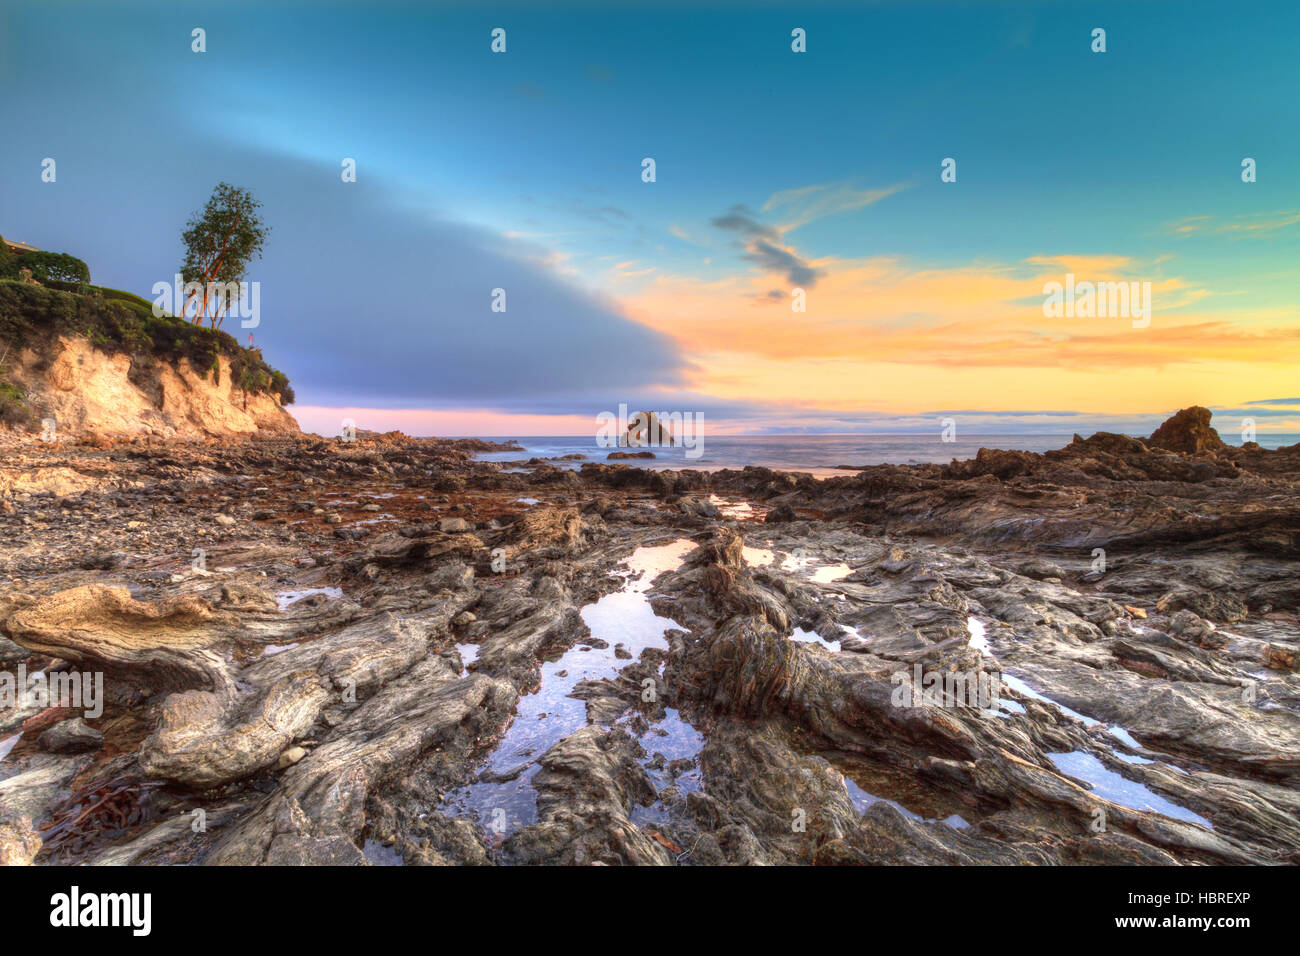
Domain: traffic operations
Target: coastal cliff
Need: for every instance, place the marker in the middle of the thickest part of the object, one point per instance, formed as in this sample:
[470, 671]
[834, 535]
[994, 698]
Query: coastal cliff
[103, 365]
[90, 391]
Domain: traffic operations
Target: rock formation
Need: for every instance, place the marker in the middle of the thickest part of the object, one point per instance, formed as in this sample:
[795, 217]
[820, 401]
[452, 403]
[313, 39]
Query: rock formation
[1188, 432]
[89, 391]
[351, 653]
[645, 429]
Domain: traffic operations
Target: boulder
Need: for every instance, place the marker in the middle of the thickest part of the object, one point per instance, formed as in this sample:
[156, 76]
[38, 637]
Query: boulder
[779, 514]
[1188, 432]
[70, 736]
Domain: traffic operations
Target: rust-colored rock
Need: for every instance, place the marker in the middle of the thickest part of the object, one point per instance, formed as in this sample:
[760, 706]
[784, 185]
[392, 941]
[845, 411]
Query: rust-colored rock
[1188, 432]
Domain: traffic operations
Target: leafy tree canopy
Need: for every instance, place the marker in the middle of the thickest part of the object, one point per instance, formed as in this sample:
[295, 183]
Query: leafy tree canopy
[223, 238]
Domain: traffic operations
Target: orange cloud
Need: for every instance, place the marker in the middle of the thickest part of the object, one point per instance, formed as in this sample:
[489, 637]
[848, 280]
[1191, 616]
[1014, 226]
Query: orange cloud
[937, 336]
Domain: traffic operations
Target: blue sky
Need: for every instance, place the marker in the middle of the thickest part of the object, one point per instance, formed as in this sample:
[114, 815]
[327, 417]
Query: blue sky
[522, 170]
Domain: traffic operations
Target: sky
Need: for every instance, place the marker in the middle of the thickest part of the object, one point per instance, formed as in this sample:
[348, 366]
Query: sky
[775, 171]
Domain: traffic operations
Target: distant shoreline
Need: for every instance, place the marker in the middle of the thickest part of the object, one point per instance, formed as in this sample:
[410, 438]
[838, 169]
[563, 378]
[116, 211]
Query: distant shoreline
[818, 455]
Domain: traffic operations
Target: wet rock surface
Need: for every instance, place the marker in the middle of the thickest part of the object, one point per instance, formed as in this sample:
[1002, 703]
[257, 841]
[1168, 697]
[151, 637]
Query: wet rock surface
[387, 652]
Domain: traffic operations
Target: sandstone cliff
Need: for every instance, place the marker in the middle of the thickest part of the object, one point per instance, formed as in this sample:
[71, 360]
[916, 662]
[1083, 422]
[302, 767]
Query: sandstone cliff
[88, 391]
[100, 363]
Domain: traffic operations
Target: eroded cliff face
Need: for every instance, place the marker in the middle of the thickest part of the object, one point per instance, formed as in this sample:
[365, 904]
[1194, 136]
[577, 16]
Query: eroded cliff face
[89, 391]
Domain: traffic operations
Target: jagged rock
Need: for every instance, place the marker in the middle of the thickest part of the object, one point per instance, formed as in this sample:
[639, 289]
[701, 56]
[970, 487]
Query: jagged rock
[290, 757]
[452, 577]
[724, 727]
[700, 507]
[1190, 627]
[546, 528]
[1282, 658]
[989, 461]
[1108, 443]
[781, 513]
[584, 785]
[1041, 569]
[205, 739]
[1188, 432]
[70, 736]
[319, 805]
[19, 841]
[169, 644]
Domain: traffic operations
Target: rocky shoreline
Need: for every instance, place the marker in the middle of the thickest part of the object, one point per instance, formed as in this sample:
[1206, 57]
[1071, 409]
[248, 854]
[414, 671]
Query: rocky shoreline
[385, 651]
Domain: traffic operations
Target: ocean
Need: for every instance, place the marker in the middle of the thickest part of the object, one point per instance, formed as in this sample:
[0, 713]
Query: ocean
[817, 454]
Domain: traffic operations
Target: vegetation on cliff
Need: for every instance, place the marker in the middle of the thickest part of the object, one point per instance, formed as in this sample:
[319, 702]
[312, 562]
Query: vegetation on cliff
[119, 322]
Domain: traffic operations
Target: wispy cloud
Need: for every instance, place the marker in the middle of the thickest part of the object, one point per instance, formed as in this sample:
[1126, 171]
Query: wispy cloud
[1100, 266]
[624, 270]
[810, 203]
[1256, 226]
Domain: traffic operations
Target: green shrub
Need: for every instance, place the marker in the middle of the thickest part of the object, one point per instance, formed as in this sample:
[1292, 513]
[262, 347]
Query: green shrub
[55, 267]
[115, 295]
[280, 386]
[9, 392]
[8, 270]
[13, 401]
[13, 406]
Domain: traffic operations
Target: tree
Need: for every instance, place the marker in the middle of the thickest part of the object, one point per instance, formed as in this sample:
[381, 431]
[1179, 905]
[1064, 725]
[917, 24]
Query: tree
[219, 242]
